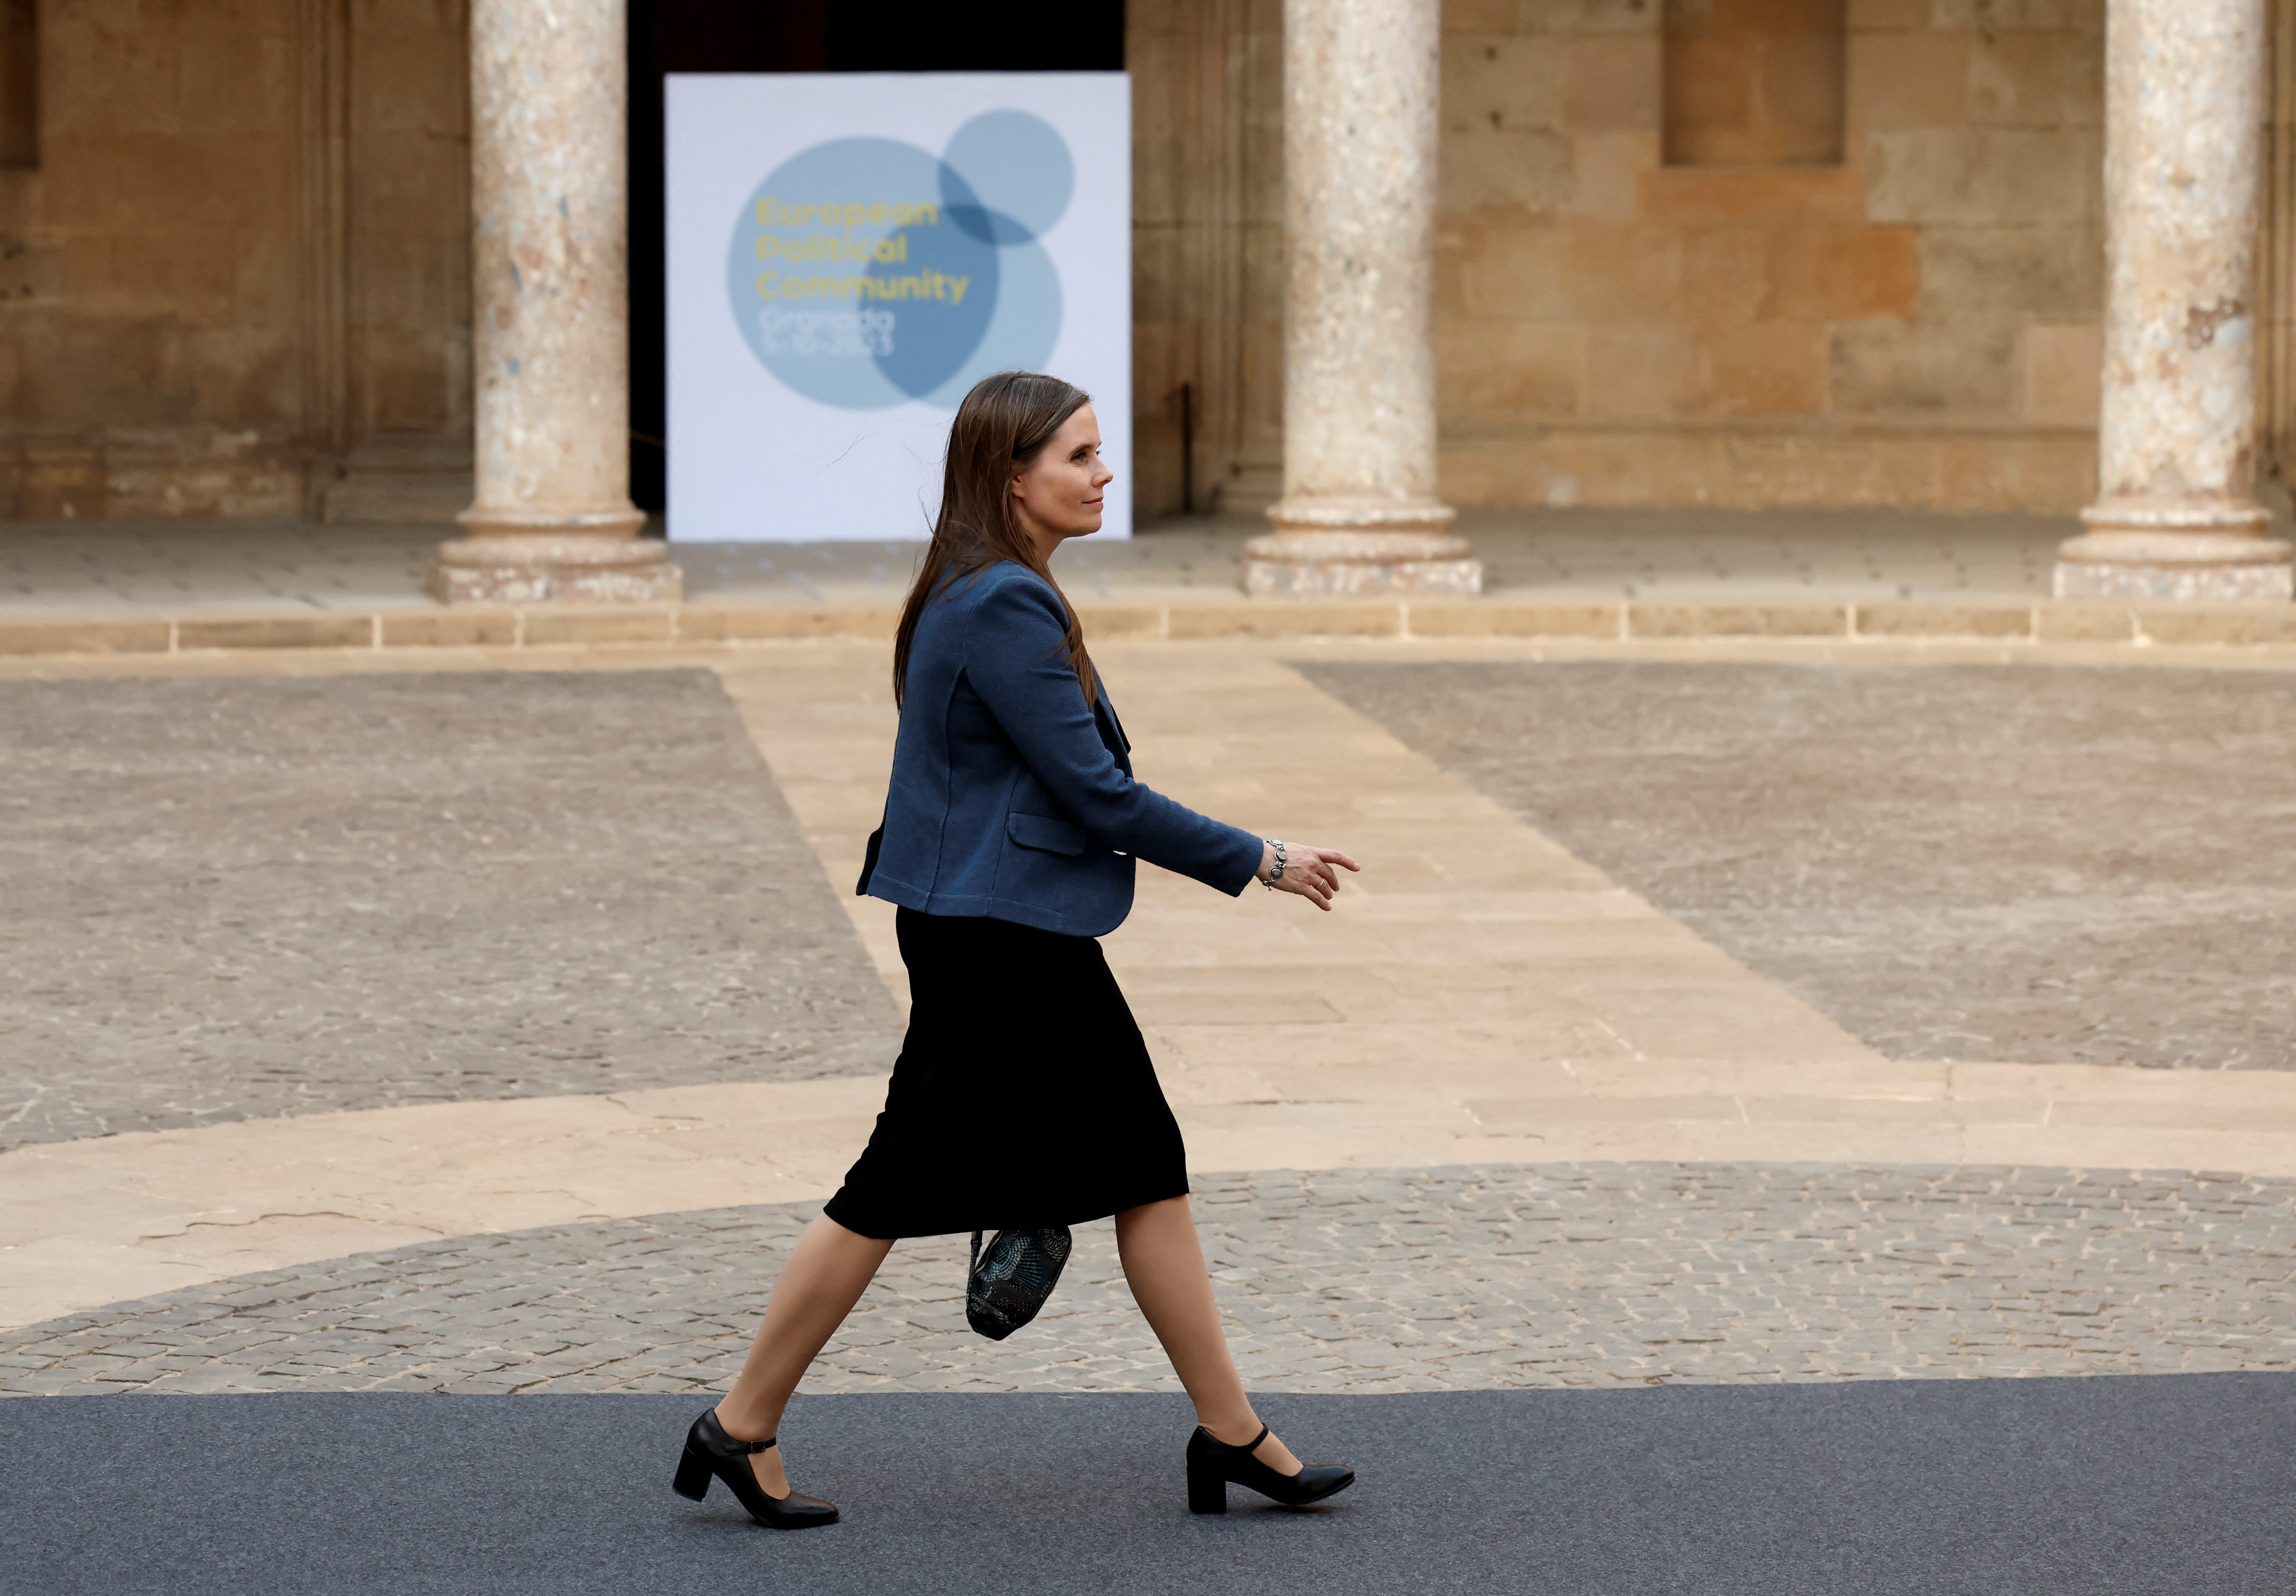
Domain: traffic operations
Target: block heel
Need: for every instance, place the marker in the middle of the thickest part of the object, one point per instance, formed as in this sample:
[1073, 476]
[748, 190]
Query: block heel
[1213, 1465]
[693, 1474]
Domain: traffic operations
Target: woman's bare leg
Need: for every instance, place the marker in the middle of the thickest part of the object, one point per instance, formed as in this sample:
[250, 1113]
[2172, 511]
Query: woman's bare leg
[827, 1271]
[1164, 1264]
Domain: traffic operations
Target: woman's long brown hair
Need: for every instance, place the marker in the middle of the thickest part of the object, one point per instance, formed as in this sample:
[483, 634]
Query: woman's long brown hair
[1004, 424]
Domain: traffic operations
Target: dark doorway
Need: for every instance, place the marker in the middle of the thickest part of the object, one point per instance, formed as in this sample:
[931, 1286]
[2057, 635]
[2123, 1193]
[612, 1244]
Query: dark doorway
[808, 36]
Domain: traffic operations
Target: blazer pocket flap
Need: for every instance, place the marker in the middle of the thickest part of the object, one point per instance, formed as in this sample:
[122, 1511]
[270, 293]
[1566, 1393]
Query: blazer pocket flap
[1043, 831]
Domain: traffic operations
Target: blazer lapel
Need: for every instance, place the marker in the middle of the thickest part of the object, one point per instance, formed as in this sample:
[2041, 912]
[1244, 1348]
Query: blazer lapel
[1112, 730]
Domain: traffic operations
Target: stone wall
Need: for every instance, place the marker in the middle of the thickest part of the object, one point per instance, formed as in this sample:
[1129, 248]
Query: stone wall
[150, 313]
[244, 254]
[1918, 325]
[242, 251]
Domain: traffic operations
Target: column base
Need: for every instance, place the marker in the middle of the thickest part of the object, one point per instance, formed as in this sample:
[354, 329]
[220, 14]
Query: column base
[2204, 555]
[537, 568]
[1325, 549]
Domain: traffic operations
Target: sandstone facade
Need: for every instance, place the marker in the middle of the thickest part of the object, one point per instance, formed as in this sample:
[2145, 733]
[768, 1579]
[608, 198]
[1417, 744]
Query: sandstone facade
[1624, 319]
[240, 264]
[241, 255]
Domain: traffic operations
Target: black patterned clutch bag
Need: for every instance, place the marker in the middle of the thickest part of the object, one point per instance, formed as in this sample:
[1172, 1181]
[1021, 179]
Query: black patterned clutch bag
[1010, 1280]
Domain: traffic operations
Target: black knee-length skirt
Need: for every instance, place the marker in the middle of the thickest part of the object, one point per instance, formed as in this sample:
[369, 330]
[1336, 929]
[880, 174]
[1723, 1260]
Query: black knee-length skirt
[1023, 1096]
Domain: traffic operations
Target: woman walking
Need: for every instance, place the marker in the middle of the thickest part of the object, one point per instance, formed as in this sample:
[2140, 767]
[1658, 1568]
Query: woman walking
[1024, 1097]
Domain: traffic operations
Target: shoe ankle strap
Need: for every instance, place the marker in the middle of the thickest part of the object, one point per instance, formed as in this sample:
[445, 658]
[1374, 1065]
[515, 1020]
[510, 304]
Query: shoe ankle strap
[1249, 1446]
[714, 1436]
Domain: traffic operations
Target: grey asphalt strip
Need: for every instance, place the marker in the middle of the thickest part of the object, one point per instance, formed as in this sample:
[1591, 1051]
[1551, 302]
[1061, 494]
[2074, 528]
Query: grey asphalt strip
[2151, 1486]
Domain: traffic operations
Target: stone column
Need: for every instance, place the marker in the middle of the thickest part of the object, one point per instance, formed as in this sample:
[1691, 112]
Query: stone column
[553, 517]
[2177, 516]
[1359, 513]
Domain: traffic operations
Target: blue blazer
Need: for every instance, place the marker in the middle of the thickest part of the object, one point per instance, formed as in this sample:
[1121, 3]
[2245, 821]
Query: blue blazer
[1014, 798]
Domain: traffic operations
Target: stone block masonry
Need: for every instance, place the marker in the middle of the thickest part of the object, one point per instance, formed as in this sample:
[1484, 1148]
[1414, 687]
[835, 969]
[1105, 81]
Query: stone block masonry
[246, 255]
[192, 312]
[1915, 323]
[1620, 326]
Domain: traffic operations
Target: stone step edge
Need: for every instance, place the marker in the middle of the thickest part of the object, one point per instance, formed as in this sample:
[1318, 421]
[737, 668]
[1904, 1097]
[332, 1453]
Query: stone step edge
[1628, 620]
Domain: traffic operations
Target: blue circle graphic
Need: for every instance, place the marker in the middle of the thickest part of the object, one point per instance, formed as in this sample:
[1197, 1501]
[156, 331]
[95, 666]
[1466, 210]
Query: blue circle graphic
[865, 273]
[1020, 334]
[948, 280]
[1020, 172]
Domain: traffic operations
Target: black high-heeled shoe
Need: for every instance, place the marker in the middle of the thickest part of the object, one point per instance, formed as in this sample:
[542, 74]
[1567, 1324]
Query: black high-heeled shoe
[711, 1453]
[1213, 1465]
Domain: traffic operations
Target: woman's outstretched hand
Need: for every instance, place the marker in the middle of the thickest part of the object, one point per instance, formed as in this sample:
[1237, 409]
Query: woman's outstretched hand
[1313, 873]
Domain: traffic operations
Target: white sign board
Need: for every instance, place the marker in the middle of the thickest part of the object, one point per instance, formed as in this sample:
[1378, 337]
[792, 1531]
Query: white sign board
[850, 252]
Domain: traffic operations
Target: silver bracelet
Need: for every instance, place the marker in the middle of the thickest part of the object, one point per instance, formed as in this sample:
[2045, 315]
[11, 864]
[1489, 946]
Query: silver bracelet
[1276, 874]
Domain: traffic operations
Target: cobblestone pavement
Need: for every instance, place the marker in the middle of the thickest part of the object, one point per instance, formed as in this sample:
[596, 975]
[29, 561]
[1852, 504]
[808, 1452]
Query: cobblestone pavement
[232, 898]
[2011, 864]
[1464, 1278]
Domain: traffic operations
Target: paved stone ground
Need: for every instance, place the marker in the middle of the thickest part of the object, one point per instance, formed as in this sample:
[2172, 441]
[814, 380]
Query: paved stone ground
[2008, 863]
[236, 898]
[1464, 1278]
